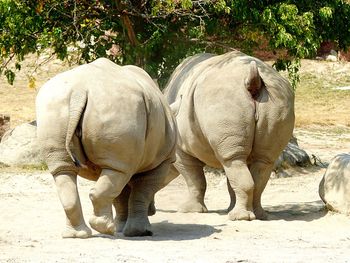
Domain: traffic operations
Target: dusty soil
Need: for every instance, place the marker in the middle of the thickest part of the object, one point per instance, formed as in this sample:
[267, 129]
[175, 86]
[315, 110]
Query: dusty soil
[299, 229]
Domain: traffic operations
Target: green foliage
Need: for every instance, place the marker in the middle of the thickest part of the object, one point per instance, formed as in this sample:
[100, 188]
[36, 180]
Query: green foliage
[158, 34]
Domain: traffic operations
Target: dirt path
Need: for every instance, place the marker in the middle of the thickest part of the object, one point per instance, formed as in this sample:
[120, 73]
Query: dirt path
[298, 229]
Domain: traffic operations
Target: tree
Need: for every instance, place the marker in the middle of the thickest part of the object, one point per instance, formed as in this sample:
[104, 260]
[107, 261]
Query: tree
[158, 34]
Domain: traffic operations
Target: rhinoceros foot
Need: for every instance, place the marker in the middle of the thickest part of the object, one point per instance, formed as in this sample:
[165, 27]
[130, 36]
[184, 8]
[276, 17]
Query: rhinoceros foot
[260, 213]
[103, 224]
[120, 224]
[241, 214]
[137, 227]
[192, 206]
[81, 231]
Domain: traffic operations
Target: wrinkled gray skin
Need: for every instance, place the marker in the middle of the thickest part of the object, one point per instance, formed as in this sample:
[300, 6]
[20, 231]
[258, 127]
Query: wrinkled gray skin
[334, 188]
[110, 124]
[233, 112]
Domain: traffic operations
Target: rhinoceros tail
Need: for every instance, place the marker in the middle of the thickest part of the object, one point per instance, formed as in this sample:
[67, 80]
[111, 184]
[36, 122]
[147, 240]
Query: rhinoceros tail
[253, 81]
[77, 106]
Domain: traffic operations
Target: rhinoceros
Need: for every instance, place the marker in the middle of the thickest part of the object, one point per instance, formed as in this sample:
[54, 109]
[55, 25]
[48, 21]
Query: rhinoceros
[111, 124]
[234, 112]
[334, 188]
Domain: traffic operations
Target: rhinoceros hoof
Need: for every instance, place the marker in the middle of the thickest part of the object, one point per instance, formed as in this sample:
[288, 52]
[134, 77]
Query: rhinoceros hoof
[240, 214]
[193, 206]
[82, 231]
[103, 224]
[120, 224]
[260, 214]
[137, 227]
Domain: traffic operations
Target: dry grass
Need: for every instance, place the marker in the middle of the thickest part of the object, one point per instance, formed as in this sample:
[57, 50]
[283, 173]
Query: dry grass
[318, 105]
[317, 102]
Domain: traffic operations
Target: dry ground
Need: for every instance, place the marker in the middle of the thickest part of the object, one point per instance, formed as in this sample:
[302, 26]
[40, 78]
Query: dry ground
[298, 229]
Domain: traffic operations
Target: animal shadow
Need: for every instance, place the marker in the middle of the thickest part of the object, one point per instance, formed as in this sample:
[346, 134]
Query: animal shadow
[165, 230]
[304, 211]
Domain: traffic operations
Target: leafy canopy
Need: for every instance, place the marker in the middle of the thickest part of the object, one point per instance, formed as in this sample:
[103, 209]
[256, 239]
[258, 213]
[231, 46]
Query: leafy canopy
[158, 34]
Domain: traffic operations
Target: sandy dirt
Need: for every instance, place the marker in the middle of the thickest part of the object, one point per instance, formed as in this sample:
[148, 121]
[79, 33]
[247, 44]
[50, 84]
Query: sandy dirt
[299, 229]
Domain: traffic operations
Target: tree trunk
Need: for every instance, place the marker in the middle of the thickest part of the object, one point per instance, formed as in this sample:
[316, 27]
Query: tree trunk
[127, 24]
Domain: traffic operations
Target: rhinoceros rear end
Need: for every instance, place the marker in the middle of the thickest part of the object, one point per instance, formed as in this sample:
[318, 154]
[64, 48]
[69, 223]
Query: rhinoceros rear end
[111, 124]
[234, 112]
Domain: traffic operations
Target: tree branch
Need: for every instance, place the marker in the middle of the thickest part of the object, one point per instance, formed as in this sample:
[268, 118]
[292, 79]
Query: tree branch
[4, 65]
[127, 24]
[212, 43]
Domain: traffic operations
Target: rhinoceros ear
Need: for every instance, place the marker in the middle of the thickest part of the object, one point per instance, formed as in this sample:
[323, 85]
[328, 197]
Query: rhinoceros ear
[253, 81]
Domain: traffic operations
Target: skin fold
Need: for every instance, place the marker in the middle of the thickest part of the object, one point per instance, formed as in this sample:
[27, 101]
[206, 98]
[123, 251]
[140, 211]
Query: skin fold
[110, 124]
[233, 112]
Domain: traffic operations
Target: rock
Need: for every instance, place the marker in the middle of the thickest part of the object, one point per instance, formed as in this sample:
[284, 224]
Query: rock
[334, 188]
[4, 124]
[291, 156]
[19, 147]
[333, 53]
[279, 174]
[331, 58]
[327, 51]
[325, 48]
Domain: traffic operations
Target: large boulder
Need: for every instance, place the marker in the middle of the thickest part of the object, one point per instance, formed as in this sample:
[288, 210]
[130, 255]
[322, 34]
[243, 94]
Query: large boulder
[19, 146]
[334, 188]
[291, 156]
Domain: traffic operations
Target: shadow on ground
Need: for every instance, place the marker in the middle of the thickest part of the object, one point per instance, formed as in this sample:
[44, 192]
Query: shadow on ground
[307, 211]
[169, 231]
[164, 230]
[304, 211]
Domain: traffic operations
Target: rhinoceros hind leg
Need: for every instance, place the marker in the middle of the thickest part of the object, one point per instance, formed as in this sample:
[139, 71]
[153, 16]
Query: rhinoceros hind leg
[82, 231]
[108, 186]
[141, 201]
[66, 183]
[192, 170]
[261, 173]
[120, 204]
[242, 184]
